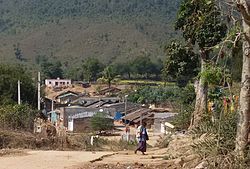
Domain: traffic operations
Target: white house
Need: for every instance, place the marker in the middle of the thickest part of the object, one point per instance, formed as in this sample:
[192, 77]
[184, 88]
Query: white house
[57, 82]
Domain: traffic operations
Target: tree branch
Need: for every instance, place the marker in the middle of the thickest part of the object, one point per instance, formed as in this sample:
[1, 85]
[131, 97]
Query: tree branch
[244, 13]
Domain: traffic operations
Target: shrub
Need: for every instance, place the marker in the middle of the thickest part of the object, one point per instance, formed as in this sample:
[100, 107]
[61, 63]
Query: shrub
[19, 117]
[100, 122]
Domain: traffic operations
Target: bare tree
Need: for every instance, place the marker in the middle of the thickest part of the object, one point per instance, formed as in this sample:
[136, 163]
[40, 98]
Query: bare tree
[244, 112]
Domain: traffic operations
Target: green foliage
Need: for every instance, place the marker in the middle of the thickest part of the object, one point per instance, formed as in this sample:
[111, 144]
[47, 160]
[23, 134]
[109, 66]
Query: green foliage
[181, 98]
[52, 11]
[212, 75]
[162, 94]
[112, 30]
[181, 63]
[123, 69]
[201, 22]
[18, 117]
[91, 69]
[109, 74]
[142, 65]
[75, 73]
[52, 69]
[216, 137]
[100, 122]
[150, 95]
[185, 104]
[9, 75]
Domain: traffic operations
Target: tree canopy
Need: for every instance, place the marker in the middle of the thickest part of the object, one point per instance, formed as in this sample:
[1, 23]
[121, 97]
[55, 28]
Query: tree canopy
[92, 68]
[181, 63]
[9, 75]
[200, 22]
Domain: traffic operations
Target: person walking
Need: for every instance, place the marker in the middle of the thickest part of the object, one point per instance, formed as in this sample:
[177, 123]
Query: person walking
[142, 145]
[127, 131]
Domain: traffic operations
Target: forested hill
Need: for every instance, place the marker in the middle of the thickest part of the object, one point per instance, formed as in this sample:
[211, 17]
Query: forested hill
[71, 30]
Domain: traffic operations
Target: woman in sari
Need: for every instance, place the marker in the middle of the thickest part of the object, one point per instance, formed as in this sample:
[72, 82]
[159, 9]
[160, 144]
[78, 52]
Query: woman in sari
[143, 137]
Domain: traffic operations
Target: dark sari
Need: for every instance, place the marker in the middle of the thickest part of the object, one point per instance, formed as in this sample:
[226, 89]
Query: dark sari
[142, 145]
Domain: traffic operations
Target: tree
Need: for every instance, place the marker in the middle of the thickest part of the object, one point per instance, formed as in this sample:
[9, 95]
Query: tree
[123, 69]
[18, 52]
[100, 122]
[109, 74]
[142, 65]
[52, 70]
[9, 75]
[244, 114]
[201, 23]
[91, 68]
[181, 63]
[17, 117]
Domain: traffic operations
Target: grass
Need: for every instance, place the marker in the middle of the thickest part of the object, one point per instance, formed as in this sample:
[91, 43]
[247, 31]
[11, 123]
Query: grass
[147, 82]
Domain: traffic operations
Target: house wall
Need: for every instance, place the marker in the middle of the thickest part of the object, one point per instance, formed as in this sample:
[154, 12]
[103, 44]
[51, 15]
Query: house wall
[57, 82]
[68, 112]
[157, 124]
[82, 125]
[64, 100]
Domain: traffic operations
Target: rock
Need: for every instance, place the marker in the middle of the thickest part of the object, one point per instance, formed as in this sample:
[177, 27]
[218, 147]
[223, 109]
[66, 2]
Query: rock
[190, 157]
[179, 162]
[202, 165]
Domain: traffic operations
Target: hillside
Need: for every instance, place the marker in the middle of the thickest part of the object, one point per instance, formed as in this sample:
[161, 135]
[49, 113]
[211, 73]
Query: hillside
[69, 31]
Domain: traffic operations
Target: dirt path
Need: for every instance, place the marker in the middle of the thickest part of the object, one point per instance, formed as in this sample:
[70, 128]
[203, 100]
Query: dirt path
[49, 159]
[127, 159]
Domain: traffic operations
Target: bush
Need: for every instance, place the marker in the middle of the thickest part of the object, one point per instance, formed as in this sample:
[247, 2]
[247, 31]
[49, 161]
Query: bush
[100, 122]
[17, 117]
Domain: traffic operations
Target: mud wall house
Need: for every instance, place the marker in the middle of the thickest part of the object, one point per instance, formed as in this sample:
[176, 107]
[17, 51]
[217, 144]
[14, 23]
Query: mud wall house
[120, 109]
[160, 119]
[142, 114]
[77, 118]
[109, 91]
[57, 82]
[95, 102]
[66, 97]
[47, 104]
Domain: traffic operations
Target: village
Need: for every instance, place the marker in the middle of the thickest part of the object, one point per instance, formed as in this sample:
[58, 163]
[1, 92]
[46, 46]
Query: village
[66, 112]
[122, 84]
[70, 106]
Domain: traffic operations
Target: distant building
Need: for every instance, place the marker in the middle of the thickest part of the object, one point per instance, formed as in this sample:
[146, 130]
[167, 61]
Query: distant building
[66, 97]
[78, 119]
[57, 82]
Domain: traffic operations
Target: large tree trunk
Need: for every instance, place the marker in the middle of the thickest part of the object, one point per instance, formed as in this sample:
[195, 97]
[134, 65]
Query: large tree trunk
[201, 100]
[244, 112]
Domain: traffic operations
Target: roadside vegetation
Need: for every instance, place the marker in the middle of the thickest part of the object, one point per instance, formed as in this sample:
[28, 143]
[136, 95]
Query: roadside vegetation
[199, 79]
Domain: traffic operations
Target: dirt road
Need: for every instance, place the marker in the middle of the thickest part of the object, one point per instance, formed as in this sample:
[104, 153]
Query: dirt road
[49, 159]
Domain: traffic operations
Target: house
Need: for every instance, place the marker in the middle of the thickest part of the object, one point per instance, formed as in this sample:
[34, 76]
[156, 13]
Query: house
[137, 116]
[81, 83]
[66, 97]
[78, 118]
[120, 107]
[109, 91]
[95, 101]
[160, 119]
[49, 104]
[57, 82]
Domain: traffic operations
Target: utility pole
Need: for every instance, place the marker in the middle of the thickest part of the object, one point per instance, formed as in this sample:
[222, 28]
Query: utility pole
[39, 91]
[52, 105]
[125, 108]
[19, 92]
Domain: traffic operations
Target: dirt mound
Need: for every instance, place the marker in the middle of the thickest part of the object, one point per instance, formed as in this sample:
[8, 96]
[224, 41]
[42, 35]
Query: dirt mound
[13, 139]
[124, 166]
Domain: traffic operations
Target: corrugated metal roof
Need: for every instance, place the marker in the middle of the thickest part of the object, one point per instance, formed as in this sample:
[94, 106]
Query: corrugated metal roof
[136, 114]
[164, 115]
